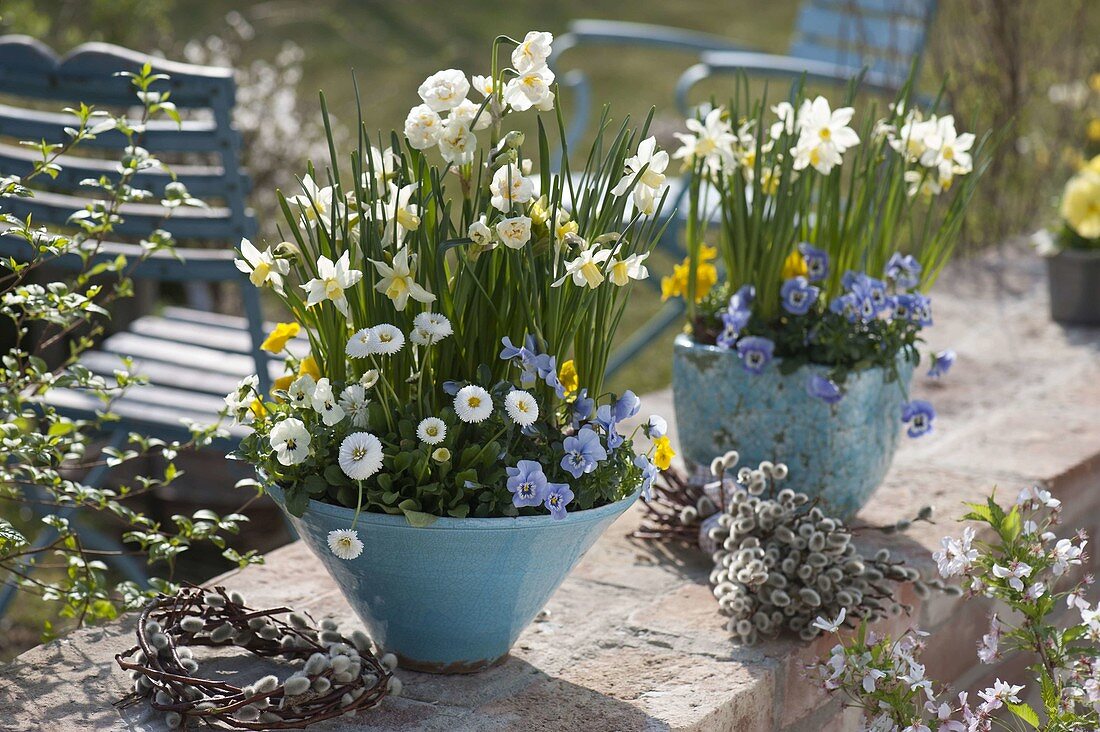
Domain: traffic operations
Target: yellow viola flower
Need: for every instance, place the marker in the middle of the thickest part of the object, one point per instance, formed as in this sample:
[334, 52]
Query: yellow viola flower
[706, 276]
[673, 285]
[1093, 165]
[1081, 203]
[278, 338]
[662, 458]
[257, 408]
[567, 375]
[707, 254]
[282, 384]
[794, 266]
[309, 366]
[1093, 130]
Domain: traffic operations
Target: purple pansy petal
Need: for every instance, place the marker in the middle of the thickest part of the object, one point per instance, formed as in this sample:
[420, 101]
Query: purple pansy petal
[919, 415]
[558, 496]
[755, 352]
[942, 363]
[824, 389]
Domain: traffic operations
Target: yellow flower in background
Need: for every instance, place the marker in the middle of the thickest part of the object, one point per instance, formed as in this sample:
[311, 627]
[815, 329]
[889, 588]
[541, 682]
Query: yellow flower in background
[1094, 82]
[1093, 165]
[309, 366]
[794, 266]
[257, 408]
[1081, 202]
[278, 338]
[567, 375]
[282, 384]
[662, 458]
[706, 275]
[1093, 130]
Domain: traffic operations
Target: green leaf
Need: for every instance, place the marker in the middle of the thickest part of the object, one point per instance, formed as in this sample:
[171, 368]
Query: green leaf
[1025, 712]
[297, 500]
[419, 519]
[978, 512]
[58, 429]
[315, 484]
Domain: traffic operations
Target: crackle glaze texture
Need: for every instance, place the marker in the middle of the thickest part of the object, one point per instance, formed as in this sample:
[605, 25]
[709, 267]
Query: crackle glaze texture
[454, 596]
[838, 452]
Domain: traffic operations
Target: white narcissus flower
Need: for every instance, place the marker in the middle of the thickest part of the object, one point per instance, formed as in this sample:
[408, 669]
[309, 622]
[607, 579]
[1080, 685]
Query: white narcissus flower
[530, 89]
[481, 235]
[585, 269]
[397, 214]
[432, 431]
[353, 400]
[621, 271]
[824, 137]
[388, 339]
[397, 281]
[457, 144]
[315, 204]
[444, 90]
[521, 407]
[647, 184]
[509, 187]
[473, 404]
[787, 120]
[262, 267]
[300, 392]
[345, 543]
[514, 232]
[290, 440]
[915, 136]
[921, 182]
[360, 455]
[533, 51]
[483, 84]
[711, 140]
[435, 325]
[467, 112]
[423, 127]
[951, 154]
[384, 164]
[324, 403]
[331, 281]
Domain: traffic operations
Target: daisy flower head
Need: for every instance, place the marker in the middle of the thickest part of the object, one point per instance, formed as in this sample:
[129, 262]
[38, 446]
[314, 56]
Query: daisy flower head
[473, 404]
[389, 339]
[360, 455]
[353, 400]
[521, 407]
[345, 543]
[432, 431]
[362, 344]
[441, 454]
[434, 325]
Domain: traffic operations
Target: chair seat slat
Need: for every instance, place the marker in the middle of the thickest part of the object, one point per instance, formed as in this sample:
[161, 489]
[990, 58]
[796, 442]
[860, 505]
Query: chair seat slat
[894, 36]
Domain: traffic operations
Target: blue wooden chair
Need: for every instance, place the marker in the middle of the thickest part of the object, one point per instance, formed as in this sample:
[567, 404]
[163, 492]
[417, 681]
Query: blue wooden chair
[191, 358]
[835, 41]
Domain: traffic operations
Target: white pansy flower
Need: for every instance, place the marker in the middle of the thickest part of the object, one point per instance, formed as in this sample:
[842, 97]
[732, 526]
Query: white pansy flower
[360, 455]
[646, 172]
[521, 407]
[711, 140]
[300, 392]
[621, 271]
[345, 543]
[324, 403]
[509, 187]
[397, 281]
[533, 51]
[423, 127]
[353, 400]
[262, 267]
[361, 344]
[239, 401]
[473, 404]
[481, 235]
[444, 90]
[530, 89]
[585, 269]
[399, 215]
[290, 440]
[316, 204]
[435, 325]
[483, 84]
[824, 136]
[331, 281]
[388, 339]
[432, 431]
[514, 232]
[467, 113]
[457, 144]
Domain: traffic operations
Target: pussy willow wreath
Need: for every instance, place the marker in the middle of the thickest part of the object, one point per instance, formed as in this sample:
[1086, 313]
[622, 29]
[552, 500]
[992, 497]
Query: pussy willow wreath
[338, 675]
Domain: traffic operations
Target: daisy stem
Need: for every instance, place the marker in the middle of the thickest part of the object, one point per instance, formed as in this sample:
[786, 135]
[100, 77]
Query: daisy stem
[358, 504]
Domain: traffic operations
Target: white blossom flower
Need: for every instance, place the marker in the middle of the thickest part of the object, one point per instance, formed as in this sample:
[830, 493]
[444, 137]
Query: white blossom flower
[647, 184]
[300, 392]
[483, 84]
[290, 440]
[435, 325]
[389, 339]
[262, 267]
[473, 404]
[830, 626]
[989, 646]
[397, 281]
[824, 136]
[467, 114]
[514, 232]
[353, 400]
[621, 271]
[1036, 496]
[324, 403]
[397, 214]
[999, 693]
[1015, 573]
[360, 455]
[444, 90]
[316, 204]
[362, 344]
[957, 554]
[423, 127]
[521, 407]
[533, 51]
[509, 187]
[458, 143]
[585, 269]
[1065, 555]
[432, 431]
[345, 543]
[331, 281]
[711, 140]
[530, 89]
[481, 235]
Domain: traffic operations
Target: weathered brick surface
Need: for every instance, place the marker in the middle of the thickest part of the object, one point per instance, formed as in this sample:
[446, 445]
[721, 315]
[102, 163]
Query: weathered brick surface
[633, 641]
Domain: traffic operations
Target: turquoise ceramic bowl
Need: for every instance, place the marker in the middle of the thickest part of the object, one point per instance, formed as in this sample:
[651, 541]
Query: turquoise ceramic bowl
[836, 452]
[454, 596]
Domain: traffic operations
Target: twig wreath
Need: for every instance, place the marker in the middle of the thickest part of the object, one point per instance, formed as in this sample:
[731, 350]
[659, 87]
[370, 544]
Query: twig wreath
[339, 675]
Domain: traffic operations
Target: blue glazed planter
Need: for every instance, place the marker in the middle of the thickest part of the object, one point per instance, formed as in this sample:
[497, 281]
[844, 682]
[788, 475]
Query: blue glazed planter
[837, 452]
[454, 596]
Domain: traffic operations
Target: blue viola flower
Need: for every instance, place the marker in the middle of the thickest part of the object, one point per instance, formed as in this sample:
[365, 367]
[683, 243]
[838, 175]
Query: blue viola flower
[876, 290]
[736, 316]
[655, 427]
[731, 329]
[510, 351]
[824, 389]
[919, 415]
[605, 418]
[558, 496]
[916, 308]
[798, 295]
[546, 368]
[582, 408]
[904, 270]
[846, 305]
[755, 352]
[649, 474]
[583, 452]
[527, 483]
[942, 363]
[741, 301]
[817, 262]
[626, 406]
[451, 387]
[852, 280]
